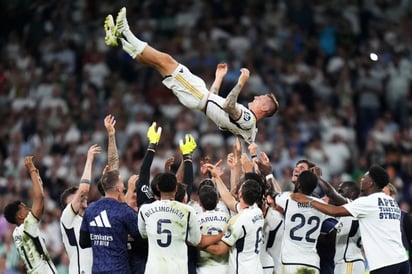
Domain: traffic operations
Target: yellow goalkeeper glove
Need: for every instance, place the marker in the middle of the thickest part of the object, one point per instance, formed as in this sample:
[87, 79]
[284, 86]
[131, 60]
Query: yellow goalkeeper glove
[154, 135]
[189, 146]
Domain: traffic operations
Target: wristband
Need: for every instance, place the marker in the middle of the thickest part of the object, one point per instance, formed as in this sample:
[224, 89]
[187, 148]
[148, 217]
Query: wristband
[254, 156]
[270, 177]
[85, 181]
[187, 157]
[152, 146]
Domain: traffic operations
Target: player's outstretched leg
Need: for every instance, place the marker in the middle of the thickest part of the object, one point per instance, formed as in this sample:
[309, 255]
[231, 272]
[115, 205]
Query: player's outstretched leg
[124, 31]
[138, 49]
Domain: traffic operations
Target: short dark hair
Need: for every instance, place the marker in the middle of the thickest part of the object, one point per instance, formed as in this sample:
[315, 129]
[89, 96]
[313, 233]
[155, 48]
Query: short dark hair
[378, 175]
[66, 193]
[10, 211]
[208, 197]
[253, 176]
[165, 181]
[307, 181]
[309, 163]
[251, 191]
[181, 192]
[205, 182]
[353, 189]
[110, 179]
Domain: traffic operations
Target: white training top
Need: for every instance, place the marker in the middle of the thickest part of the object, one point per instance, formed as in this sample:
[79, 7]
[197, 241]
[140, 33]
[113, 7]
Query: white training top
[379, 222]
[168, 225]
[245, 236]
[212, 222]
[81, 259]
[348, 241]
[31, 247]
[192, 92]
[302, 228]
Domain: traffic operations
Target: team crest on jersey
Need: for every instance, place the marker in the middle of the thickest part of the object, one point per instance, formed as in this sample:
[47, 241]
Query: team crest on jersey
[146, 190]
[247, 116]
[228, 233]
[18, 239]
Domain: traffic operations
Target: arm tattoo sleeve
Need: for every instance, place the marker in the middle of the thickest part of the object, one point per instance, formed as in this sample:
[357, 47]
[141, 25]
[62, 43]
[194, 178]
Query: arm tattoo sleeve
[230, 102]
[112, 154]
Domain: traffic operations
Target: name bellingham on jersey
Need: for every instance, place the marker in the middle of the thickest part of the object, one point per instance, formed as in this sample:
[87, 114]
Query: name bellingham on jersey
[389, 209]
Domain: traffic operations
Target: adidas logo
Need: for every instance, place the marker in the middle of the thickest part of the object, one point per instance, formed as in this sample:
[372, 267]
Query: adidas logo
[101, 220]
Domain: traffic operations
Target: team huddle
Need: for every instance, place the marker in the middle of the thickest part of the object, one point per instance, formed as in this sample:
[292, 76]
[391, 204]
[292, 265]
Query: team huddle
[244, 224]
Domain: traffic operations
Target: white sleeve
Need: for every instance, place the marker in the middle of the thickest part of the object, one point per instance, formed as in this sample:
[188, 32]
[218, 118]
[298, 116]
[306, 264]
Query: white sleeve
[141, 223]
[360, 207]
[281, 199]
[194, 233]
[68, 215]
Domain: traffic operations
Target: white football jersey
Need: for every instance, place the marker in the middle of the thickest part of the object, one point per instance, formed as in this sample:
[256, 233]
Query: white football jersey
[273, 234]
[245, 236]
[212, 222]
[302, 228]
[192, 92]
[348, 240]
[379, 222]
[168, 225]
[81, 259]
[31, 247]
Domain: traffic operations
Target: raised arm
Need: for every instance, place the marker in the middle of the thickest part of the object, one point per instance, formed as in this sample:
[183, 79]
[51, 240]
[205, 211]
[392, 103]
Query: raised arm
[230, 103]
[334, 197]
[187, 148]
[328, 209]
[225, 194]
[112, 153]
[265, 168]
[220, 73]
[129, 197]
[84, 185]
[143, 192]
[235, 163]
[37, 190]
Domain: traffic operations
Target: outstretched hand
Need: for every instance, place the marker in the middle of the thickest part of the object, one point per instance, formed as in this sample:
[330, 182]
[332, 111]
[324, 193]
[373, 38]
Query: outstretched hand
[28, 162]
[244, 76]
[215, 170]
[94, 149]
[221, 70]
[109, 123]
[188, 146]
[154, 134]
[264, 164]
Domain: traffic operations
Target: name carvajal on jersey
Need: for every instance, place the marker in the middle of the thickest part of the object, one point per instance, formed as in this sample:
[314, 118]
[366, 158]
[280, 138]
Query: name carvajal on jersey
[213, 219]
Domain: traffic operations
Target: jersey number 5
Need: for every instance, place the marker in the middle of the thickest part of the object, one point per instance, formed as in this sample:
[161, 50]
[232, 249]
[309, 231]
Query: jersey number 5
[164, 231]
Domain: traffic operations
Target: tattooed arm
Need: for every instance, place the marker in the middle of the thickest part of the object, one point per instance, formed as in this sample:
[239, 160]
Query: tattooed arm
[230, 103]
[112, 154]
